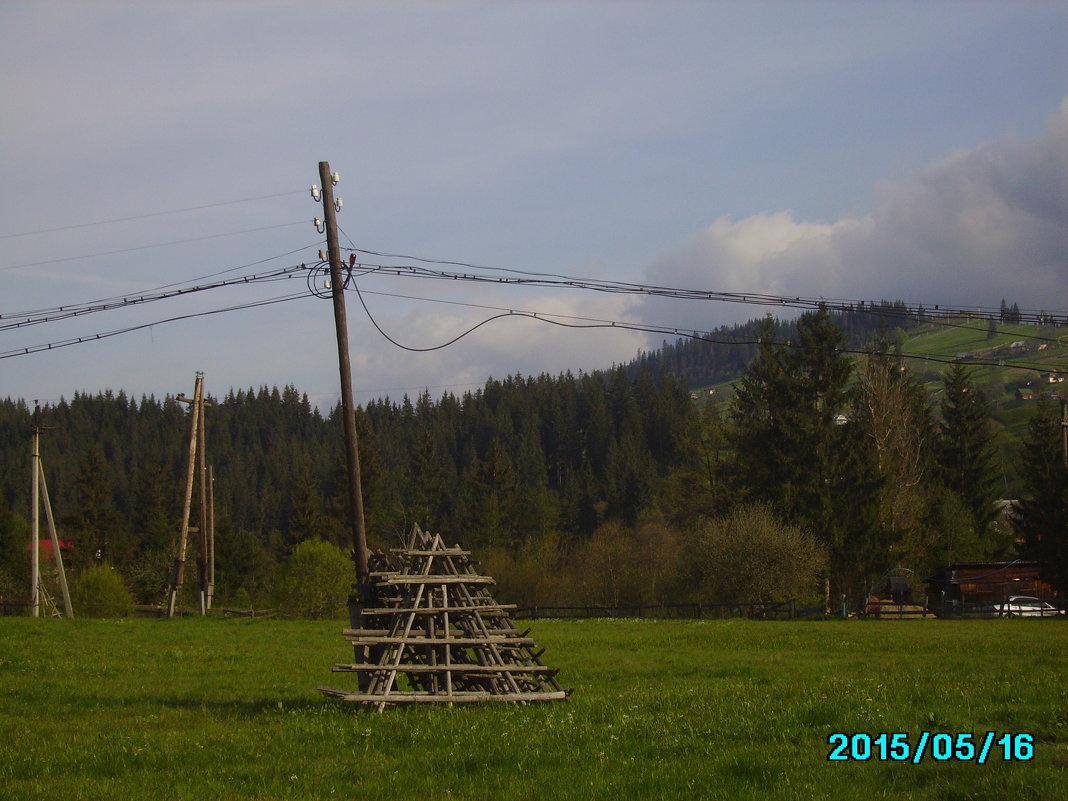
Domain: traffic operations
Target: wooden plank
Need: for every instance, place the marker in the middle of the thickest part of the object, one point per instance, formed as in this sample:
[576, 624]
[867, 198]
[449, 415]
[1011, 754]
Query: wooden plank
[363, 633]
[455, 667]
[442, 552]
[432, 579]
[490, 609]
[506, 642]
[458, 697]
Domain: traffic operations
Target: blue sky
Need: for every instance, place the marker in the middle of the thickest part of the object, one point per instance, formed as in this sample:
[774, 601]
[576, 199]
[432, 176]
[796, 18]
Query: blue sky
[861, 150]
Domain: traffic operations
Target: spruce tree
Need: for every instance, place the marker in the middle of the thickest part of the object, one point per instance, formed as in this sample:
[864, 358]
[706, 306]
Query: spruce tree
[968, 462]
[796, 448]
[1043, 513]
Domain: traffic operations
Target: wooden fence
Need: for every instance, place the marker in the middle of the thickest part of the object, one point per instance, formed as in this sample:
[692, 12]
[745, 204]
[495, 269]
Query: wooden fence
[777, 610]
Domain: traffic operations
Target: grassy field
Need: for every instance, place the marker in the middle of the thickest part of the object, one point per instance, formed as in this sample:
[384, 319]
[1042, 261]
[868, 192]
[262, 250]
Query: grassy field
[221, 709]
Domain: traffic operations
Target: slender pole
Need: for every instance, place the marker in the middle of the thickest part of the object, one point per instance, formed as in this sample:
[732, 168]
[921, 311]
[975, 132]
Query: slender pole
[56, 552]
[348, 407]
[211, 535]
[183, 538]
[35, 522]
[202, 558]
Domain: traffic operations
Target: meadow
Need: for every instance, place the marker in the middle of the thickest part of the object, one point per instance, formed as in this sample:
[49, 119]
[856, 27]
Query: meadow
[732, 709]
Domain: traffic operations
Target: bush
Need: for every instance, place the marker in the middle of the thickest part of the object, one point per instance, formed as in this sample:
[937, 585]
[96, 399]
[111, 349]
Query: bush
[316, 581]
[100, 592]
[752, 556]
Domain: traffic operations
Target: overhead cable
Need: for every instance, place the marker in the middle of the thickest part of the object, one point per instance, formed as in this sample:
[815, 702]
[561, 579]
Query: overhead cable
[150, 214]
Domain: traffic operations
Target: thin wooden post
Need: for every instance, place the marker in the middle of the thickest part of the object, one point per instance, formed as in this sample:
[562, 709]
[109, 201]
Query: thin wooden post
[348, 407]
[202, 557]
[211, 535]
[35, 520]
[183, 537]
[56, 553]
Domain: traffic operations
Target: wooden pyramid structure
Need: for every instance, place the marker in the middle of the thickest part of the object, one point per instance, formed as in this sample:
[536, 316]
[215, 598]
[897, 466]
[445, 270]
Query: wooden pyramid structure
[435, 634]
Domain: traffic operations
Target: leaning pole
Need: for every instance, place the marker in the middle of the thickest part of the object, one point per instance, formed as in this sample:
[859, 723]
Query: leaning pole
[348, 407]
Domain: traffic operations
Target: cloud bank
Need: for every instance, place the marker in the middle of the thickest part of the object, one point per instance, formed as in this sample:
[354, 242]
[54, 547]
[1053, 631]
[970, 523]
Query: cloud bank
[981, 225]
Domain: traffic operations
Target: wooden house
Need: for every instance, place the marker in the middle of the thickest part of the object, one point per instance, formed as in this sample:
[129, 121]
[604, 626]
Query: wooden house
[975, 586]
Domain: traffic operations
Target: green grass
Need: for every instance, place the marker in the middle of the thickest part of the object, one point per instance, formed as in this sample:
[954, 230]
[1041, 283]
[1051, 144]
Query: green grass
[221, 709]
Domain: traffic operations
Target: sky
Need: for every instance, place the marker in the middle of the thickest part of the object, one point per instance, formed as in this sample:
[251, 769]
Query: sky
[857, 150]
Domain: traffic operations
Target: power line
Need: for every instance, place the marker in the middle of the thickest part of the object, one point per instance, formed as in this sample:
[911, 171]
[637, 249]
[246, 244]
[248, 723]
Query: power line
[148, 247]
[570, 321]
[149, 290]
[9, 354]
[150, 214]
[527, 277]
[356, 270]
[937, 314]
[79, 310]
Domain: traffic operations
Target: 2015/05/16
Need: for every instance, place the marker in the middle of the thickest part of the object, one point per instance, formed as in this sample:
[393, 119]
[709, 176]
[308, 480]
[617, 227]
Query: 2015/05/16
[940, 746]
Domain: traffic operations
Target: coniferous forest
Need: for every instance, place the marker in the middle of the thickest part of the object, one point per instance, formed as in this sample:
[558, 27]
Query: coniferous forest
[614, 487]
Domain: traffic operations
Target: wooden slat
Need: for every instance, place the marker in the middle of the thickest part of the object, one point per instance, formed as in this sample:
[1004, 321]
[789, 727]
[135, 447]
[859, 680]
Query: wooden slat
[485, 609]
[458, 697]
[455, 667]
[432, 579]
[363, 633]
[506, 642]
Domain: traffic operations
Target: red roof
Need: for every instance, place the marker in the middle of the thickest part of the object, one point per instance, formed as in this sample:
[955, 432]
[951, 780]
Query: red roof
[46, 545]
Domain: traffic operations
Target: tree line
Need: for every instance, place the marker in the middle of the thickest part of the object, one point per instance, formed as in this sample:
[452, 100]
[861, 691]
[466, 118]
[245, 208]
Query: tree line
[613, 487]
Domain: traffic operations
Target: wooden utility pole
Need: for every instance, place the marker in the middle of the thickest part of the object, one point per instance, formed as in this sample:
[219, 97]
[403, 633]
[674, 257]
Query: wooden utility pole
[211, 535]
[35, 521]
[202, 528]
[348, 407]
[196, 443]
[57, 554]
[40, 490]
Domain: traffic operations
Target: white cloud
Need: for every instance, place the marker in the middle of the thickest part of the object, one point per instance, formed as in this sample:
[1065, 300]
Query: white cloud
[981, 225]
[507, 346]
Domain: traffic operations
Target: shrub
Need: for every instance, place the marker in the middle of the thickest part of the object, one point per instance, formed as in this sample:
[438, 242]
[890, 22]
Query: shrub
[753, 556]
[316, 581]
[100, 592]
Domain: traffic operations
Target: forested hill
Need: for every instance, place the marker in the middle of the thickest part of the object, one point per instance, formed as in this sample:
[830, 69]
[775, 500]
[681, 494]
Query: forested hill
[568, 464]
[502, 464]
[723, 353]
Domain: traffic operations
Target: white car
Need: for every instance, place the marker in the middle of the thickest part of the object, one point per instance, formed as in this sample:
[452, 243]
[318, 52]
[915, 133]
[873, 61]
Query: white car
[1024, 606]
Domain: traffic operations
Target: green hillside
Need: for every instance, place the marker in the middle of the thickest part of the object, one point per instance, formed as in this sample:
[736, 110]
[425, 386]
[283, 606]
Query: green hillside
[1011, 363]
[1014, 358]
[1011, 358]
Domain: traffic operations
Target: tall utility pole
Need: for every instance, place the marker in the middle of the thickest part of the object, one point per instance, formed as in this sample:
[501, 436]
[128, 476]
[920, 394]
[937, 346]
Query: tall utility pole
[35, 521]
[348, 407]
[202, 529]
[211, 536]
